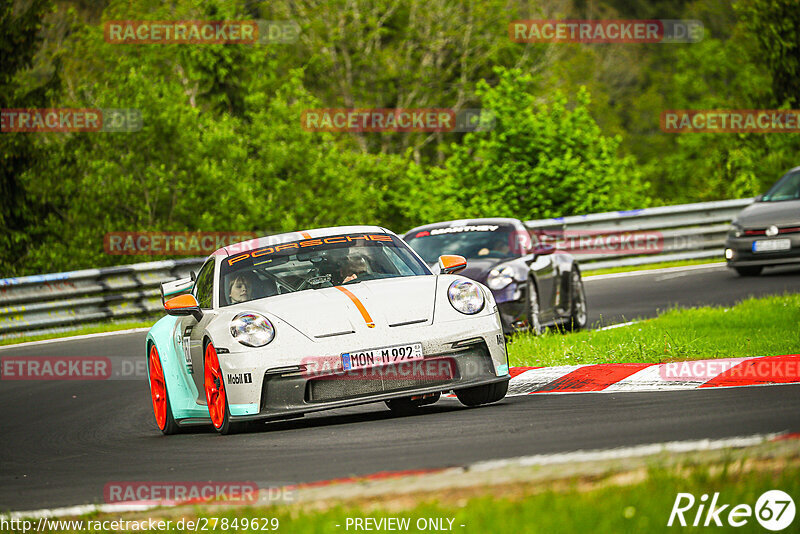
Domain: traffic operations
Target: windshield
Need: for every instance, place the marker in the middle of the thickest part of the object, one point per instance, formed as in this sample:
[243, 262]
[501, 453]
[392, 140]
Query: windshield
[314, 264]
[787, 188]
[470, 241]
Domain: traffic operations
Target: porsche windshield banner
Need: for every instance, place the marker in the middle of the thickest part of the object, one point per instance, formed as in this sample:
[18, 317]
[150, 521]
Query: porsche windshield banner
[336, 241]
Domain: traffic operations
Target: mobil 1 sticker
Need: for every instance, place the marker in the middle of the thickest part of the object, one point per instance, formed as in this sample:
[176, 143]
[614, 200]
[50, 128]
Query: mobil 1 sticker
[240, 378]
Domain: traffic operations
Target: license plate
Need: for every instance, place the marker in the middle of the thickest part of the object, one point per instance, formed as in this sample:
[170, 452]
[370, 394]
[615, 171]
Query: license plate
[381, 356]
[771, 245]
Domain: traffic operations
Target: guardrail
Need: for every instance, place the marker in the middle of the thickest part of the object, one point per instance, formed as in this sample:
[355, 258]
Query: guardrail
[45, 304]
[685, 232]
[56, 302]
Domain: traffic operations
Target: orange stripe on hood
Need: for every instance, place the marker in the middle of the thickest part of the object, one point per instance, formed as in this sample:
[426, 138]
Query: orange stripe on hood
[364, 313]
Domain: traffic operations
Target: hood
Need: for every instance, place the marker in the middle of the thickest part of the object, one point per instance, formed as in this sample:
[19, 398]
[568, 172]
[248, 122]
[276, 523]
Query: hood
[762, 214]
[319, 313]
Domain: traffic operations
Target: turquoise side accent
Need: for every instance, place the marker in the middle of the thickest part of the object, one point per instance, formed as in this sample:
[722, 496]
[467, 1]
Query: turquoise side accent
[502, 370]
[243, 409]
[180, 387]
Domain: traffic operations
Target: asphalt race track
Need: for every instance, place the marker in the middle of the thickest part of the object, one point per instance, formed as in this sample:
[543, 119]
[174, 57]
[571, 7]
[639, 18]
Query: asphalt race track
[615, 300]
[63, 441]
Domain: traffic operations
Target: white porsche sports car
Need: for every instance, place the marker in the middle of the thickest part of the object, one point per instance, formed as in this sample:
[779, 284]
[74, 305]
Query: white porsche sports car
[293, 323]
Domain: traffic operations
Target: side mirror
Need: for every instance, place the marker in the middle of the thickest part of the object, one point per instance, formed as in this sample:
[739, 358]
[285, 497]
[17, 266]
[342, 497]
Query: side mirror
[452, 264]
[183, 305]
[544, 249]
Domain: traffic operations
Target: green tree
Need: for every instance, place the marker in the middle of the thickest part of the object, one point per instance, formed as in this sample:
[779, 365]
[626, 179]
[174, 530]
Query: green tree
[20, 35]
[775, 25]
[541, 159]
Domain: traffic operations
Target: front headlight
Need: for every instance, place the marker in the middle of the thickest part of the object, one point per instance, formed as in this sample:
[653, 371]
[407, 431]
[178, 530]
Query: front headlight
[500, 278]
[252, 329]
[736, 230]
[466, 297]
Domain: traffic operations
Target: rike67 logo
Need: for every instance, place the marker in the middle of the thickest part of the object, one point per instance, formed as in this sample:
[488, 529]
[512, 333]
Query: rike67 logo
[774, 510]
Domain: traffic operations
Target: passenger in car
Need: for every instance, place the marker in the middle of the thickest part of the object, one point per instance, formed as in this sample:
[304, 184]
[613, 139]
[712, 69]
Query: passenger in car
[240, 289]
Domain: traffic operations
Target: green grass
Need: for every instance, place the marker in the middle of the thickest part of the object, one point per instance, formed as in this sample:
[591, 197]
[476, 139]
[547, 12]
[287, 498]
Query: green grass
[92, 329]
[643, 507]
[662, 265]
[589, 504]
[754, 327]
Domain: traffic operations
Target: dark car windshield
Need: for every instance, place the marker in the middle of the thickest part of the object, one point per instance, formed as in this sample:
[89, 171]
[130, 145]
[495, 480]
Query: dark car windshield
[787, 188]
[314, 264]
[471, 241]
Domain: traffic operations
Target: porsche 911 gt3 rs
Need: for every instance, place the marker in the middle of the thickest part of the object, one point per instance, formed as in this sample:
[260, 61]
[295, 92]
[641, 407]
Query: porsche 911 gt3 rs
[284, 325]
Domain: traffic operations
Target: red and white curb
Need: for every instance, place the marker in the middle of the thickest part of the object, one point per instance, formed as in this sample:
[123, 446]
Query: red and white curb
[620, 377]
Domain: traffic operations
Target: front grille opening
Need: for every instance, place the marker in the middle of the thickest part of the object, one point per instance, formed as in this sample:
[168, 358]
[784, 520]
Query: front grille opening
[386, 379]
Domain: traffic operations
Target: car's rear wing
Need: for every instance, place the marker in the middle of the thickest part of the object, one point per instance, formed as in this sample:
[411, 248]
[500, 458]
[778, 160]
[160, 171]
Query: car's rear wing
[175, 288]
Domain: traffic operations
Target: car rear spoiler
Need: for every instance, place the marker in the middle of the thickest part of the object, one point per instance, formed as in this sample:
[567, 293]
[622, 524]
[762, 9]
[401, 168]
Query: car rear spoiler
[175, 288]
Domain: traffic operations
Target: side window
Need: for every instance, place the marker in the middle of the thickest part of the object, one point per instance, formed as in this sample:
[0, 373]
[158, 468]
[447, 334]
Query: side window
[400, 266]
[204, 285]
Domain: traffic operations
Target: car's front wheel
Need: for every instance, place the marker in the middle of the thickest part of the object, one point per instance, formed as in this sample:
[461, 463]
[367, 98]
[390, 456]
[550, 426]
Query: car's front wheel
[578, 315]
[749, 271]
[216, 396]
[534, 310]
[477, 395]
[158, 391]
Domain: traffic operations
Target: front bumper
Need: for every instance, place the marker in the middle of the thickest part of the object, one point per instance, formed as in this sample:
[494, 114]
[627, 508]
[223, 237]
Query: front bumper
[288, 394]
[297, 377]
[743, 255]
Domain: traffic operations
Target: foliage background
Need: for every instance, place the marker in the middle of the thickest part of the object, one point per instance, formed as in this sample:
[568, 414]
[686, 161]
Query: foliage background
[222, 148]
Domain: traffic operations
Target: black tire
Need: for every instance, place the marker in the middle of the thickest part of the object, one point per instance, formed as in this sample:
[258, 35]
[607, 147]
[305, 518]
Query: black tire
[228, 427]
[579, 315]
[171, 427]
[749, 271]
[534, 309]
[475, 396]
[407, 406]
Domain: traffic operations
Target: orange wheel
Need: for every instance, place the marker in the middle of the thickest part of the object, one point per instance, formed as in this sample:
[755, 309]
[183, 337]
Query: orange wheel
[158, 391]
[215, 388]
